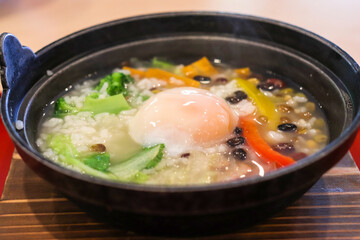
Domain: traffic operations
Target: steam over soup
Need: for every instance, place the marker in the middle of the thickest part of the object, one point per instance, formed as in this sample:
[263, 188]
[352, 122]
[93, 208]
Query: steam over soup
[159, 123]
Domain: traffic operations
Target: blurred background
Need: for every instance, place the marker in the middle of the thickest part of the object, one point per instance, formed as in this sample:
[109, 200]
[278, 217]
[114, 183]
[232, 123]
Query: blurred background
[39, 22]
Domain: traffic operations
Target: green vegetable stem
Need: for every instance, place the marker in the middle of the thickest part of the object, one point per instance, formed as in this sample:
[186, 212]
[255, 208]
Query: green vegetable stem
[98, 164]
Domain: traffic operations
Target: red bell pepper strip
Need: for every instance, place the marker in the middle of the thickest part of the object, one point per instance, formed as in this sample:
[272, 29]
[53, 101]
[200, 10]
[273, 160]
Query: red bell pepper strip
[259, 145]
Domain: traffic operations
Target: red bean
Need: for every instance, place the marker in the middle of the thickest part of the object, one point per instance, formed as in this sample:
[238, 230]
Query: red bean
[284, 148]
[126, 64]
[221, 80]
[98, 148]
[297, 156]
[185, 155]
[276, 82]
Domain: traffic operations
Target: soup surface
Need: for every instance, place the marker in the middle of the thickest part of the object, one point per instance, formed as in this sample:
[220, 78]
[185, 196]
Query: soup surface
[155, 122]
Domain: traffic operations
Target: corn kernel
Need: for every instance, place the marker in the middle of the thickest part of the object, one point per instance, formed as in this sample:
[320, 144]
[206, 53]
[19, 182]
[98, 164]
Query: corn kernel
[284, 108]
[262, 119]
[306, 115]
[318, 131]
[254, 81]
[243, 72]
[311, 144]
[299, 94]
[319, 123]
[156, 90]
[320, 138]
[310, 106]
[287, 97]
[301, 130]
[287, 91]
[285, 120]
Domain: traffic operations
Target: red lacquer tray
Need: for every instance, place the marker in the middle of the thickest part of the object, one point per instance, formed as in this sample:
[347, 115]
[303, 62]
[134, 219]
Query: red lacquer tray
[6, 151]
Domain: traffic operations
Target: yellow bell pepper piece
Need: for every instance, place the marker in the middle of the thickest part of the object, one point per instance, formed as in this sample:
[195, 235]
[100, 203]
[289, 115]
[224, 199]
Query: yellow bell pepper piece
[201, 67]
[264, 105]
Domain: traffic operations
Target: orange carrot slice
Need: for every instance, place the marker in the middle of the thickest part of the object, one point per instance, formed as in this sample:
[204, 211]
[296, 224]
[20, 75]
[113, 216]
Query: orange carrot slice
[135, 72]
[171, 78]
[201, 67]
[243, 72]
[189, 71]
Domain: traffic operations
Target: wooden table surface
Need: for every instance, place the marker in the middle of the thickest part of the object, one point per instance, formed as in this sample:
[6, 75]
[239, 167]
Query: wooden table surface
[32, 209]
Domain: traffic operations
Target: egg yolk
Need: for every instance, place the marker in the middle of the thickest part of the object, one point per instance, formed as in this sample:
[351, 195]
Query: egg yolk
[182, 119]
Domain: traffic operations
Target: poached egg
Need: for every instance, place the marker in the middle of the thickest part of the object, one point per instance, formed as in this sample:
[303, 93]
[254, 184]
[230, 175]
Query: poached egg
[184, 119]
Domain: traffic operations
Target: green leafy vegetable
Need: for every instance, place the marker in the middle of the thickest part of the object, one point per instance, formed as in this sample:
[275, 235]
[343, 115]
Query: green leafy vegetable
[98, 161]
[116, 83]
[63, 108]
[98, 164]
[113, 104]
[157, 63]
[68, 154]
[145, 159]
[145, 97]
[94, 95]
[140, 177]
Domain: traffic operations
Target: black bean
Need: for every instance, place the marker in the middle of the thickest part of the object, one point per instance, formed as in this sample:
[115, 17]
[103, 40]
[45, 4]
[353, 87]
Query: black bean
[238, 131]
[232, 142]
[232, 100]
[221, 80]
[287, 127]
[202, 79]
[284, 148]
[240, 95]
[266, 86]
[185, 155]
[239, 154]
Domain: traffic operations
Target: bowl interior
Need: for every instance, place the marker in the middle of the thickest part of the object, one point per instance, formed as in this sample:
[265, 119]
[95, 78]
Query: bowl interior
[263, 57]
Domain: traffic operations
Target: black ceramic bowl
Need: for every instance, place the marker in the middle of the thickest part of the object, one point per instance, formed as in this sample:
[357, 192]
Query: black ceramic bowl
[322, 68]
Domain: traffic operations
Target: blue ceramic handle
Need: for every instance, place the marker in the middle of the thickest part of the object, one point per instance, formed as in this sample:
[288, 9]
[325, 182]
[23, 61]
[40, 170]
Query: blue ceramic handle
[15, 60]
